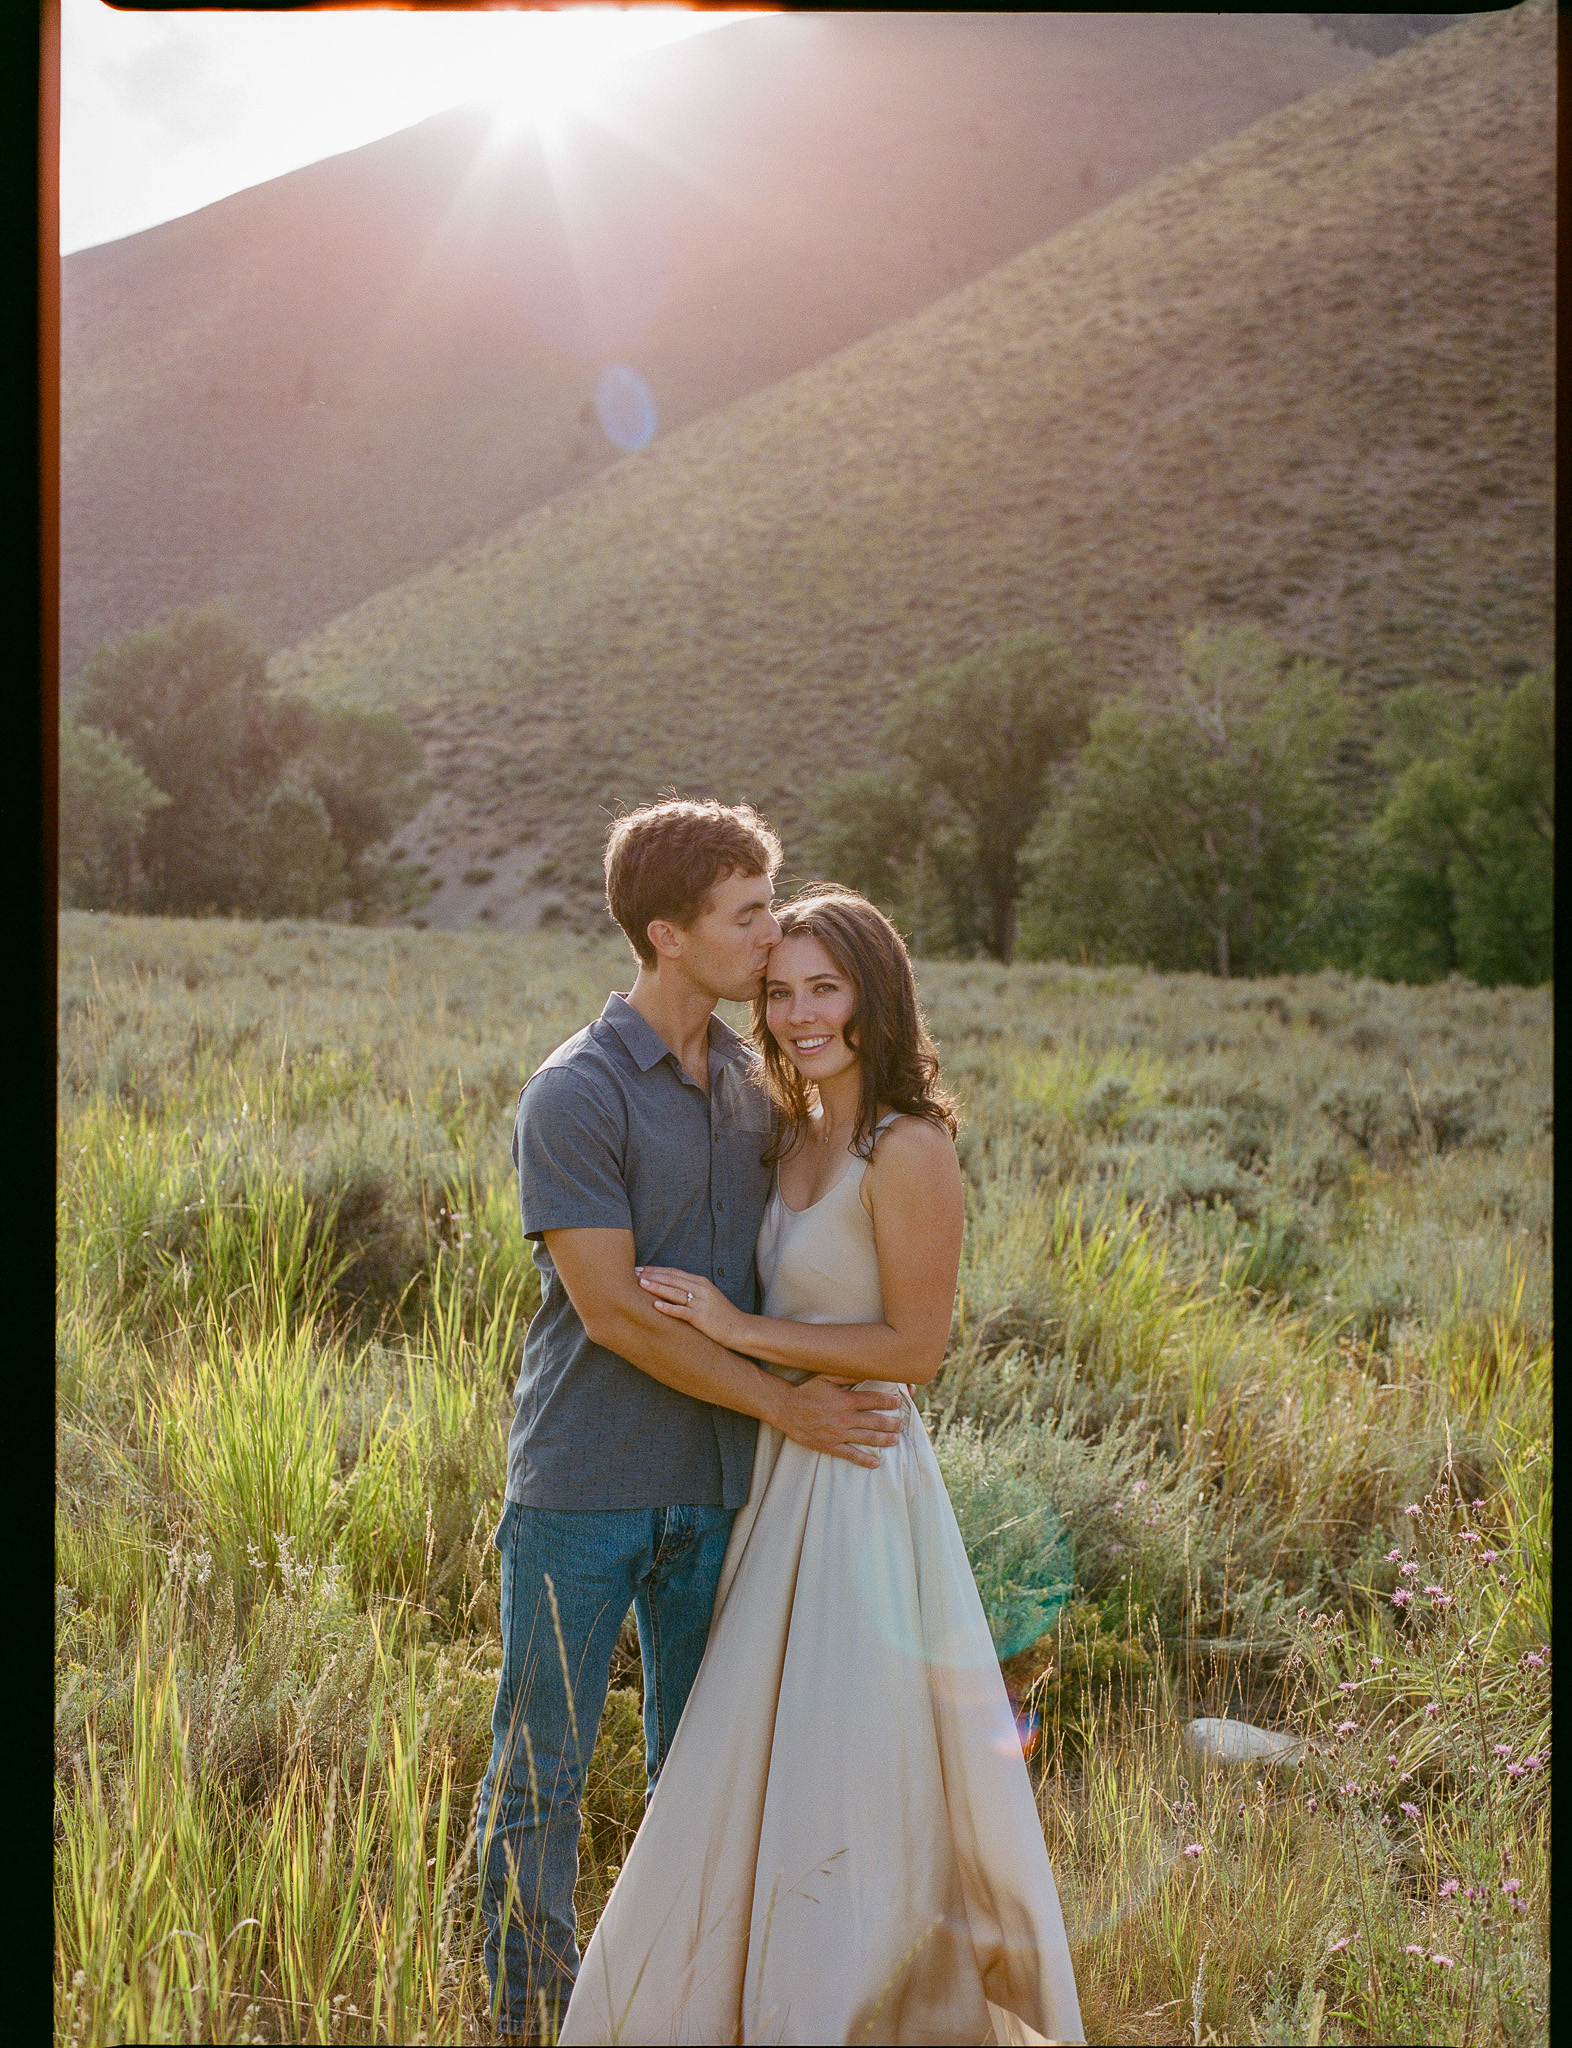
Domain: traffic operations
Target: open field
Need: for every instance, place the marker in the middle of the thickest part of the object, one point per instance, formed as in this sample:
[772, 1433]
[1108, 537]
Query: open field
[1256, 1293]
[1304, 379]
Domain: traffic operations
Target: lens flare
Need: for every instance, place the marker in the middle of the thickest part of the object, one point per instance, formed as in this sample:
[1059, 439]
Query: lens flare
[1025, 1572]
[625, 407]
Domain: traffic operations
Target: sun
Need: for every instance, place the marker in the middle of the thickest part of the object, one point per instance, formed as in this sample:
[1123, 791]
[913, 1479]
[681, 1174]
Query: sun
[534, 92]
[537, 69]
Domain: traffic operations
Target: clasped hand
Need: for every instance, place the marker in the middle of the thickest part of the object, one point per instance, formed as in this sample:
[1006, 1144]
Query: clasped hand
[692, 1299]
[826, 1413]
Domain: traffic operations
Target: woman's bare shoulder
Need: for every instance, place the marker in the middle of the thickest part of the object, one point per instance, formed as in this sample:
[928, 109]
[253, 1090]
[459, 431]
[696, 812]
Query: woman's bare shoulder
[913, 1143]
[914, 1173]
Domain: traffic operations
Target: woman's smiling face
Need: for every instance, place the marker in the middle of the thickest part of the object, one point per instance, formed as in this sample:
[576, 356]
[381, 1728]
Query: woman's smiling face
[808, 1002]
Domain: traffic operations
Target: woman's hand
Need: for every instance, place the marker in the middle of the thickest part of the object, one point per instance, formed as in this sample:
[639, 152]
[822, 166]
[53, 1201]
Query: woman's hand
[693, 1300]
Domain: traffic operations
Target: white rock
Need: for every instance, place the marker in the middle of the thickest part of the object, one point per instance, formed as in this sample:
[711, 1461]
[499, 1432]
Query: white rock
[1237, 1742]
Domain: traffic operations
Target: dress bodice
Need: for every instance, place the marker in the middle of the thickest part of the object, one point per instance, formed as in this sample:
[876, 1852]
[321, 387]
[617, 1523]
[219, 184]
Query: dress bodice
[821, 1264]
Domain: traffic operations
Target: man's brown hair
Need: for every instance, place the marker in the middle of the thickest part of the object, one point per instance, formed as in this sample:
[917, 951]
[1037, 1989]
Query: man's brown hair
[663, 859]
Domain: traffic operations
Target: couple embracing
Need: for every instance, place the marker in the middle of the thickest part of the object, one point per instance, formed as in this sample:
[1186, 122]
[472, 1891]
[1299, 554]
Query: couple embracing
[748, 1259]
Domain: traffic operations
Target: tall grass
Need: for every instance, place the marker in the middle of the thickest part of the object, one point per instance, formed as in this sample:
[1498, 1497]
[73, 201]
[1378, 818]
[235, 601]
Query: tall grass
[1240, 1339]
[320, 1899]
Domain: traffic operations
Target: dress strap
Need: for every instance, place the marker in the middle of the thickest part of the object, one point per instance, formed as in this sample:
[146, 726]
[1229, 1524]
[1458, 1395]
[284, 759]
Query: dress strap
[884, 1122]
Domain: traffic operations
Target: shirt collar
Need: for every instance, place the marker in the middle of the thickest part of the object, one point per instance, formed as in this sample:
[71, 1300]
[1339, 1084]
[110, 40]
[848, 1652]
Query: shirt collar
[730, 1045]
[647, 1046]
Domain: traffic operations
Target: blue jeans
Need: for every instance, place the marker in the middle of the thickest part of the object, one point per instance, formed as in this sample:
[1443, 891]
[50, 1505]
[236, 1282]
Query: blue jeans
[557, 1642]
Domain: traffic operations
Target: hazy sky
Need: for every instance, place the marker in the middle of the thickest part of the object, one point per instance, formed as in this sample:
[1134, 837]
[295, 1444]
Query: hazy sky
[163, 113]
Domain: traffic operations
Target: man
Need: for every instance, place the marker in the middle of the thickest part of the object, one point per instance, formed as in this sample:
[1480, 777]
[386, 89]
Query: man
[637, 1142]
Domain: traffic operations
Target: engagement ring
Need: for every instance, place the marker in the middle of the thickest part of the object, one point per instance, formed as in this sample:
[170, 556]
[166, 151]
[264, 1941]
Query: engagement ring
[690, 1295]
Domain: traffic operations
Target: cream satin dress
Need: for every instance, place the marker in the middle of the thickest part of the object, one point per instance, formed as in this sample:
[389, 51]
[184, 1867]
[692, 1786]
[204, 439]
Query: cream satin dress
[844, 1844]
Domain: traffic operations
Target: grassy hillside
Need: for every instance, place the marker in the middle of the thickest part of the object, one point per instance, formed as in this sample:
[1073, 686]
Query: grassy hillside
[1305, 378]
[297, 396]
[1255, 1297]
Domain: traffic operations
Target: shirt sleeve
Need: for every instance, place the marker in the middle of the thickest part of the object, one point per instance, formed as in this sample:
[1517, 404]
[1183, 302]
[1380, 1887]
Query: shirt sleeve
[568, 1144]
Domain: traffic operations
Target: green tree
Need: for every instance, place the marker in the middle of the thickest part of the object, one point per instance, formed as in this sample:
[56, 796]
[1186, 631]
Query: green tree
[939, 836]
[878, 833]
[1195, 825]
[190, 704]
[866, 832]
[300, 869]
[981, 736]
[368, 770]
[105, 803]
[1462, 853]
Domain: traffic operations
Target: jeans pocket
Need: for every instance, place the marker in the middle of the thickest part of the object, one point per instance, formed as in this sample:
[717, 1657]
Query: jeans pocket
[510, 1513]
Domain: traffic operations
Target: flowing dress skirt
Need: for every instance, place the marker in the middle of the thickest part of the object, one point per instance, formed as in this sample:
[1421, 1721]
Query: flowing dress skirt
[844, 1845]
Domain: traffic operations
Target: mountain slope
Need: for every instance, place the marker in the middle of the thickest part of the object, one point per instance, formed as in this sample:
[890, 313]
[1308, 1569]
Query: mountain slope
[1306, 379]
[307, 391]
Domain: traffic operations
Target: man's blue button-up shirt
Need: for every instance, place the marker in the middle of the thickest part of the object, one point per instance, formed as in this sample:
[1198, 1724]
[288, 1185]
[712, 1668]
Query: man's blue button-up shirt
[612, 1134]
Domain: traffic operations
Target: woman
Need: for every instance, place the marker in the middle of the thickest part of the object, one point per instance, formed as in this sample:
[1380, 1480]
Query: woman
[844, 1844]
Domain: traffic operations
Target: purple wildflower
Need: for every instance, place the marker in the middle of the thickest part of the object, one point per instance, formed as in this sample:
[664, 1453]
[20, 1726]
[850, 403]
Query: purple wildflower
[1476, 1503]
[1469, 1536]
[1192, 1849]
[1401, 1597]
[1444, 1962]
[1516, 1771]
[1432, 1590]
[1349, 1790]
[1432, 1708]
[1413, 1949]
[1409, 1570]
[1533, 1763]
[1488, 1556]
[1407, 1806]
[1336, 1945]
[1376, 1663]
[1513, 1884]
[1502, 1749]
[1533, 1660]
[1393, 1556]
[1438, 1598]
[1312, 1805]
[1414, 1510]
[1392, 1760]
[1346, 1727]
[1448, 1889]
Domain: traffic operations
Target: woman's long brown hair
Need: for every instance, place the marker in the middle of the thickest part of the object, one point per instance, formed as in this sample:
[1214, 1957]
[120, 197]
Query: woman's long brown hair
[900, 1063]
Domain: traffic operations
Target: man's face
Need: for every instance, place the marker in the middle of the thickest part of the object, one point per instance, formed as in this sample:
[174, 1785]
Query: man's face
[727, 944]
